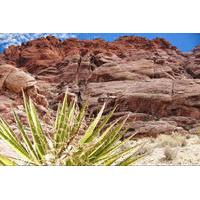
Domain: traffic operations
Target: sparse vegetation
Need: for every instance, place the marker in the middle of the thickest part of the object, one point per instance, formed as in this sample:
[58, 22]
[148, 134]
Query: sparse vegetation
[170, 153]
[172, 140]
[100, 143]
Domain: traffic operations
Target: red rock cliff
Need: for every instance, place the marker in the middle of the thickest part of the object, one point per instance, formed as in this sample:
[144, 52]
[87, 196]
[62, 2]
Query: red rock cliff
[152, 80]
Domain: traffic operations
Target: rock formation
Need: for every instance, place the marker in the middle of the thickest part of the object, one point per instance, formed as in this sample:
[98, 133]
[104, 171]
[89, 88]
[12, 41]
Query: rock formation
[151, 80]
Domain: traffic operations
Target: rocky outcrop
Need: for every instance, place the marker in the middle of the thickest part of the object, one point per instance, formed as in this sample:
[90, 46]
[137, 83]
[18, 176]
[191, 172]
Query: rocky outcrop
[193, 63]
[158, 97]
[151, 80]
[12, 82]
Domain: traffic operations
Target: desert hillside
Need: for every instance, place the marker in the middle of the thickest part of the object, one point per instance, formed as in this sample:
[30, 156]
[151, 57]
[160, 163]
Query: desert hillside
[151, 80]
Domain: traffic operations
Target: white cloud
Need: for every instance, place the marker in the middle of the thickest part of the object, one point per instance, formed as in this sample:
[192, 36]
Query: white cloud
[7, 39]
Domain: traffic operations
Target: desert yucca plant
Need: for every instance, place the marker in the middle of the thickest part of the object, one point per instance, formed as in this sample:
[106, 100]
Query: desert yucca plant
[99, 144]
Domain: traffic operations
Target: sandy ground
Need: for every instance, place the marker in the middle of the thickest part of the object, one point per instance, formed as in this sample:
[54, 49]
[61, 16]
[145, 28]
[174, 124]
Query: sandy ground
[173, 149]
[170, 150]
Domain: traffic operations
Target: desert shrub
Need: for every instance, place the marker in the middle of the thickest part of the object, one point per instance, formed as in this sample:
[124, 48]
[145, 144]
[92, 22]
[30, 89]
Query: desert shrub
[170, 153]
[172, 140]
[99, 144]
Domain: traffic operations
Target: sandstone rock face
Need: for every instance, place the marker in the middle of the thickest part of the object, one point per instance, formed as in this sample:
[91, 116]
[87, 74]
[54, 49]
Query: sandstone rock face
[151, 80]
[193, 64]
[158, 97]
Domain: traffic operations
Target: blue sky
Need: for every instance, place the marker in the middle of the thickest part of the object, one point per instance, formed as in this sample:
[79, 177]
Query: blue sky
[183, 41]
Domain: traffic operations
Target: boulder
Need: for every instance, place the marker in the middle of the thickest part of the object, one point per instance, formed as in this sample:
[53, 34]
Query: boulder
[15, 79]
